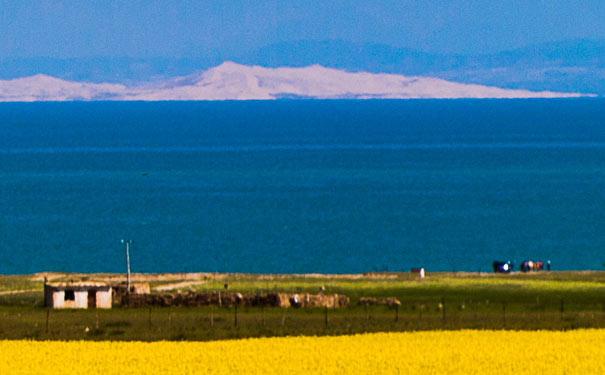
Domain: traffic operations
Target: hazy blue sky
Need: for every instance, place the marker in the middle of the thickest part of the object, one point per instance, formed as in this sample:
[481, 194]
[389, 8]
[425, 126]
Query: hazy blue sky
[148, 28]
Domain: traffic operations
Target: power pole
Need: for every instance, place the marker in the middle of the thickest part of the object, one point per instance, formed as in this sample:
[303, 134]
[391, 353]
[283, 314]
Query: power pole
[127, 242]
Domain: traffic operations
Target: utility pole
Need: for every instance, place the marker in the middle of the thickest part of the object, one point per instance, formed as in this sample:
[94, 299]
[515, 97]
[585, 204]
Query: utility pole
[127, 242]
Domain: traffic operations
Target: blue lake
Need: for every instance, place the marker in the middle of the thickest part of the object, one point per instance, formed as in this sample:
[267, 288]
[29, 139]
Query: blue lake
[302, 186]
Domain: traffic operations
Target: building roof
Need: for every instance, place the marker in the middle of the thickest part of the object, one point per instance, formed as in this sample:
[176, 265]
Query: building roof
[78, 285]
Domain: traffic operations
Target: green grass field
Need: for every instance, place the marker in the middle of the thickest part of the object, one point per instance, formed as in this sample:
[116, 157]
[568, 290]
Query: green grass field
[555, 300]
[582, 287]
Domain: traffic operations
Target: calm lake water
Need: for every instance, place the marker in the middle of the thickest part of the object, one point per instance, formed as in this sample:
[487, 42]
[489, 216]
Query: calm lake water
[302, 186]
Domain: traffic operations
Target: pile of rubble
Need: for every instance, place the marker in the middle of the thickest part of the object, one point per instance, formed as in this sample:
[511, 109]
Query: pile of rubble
[228, 299]
[372, 301]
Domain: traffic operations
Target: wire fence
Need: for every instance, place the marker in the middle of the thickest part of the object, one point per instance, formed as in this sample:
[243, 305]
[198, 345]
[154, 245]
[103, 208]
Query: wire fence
[209, 323]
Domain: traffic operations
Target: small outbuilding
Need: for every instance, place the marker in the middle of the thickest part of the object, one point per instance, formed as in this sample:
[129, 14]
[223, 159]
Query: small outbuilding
[77, 295]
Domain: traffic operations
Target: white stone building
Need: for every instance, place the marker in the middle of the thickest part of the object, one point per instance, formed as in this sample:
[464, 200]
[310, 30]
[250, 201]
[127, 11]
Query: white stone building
[77, 295]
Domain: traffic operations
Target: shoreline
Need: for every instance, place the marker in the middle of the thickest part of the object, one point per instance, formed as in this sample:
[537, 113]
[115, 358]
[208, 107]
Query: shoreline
[386, 275]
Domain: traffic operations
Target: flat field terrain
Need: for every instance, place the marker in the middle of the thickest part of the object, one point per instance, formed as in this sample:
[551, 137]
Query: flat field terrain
[534, 301]
[454, 352]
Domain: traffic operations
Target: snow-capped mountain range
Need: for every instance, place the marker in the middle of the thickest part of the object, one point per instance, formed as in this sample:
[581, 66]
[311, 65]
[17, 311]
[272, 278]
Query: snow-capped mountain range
[231, 81]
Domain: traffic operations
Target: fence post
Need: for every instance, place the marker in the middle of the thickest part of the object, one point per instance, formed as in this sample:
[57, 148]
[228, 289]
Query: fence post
[96, 320]
[283, 317]
[47, 318]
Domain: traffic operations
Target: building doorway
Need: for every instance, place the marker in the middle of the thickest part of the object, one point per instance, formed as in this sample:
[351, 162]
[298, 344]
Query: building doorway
[92, 299]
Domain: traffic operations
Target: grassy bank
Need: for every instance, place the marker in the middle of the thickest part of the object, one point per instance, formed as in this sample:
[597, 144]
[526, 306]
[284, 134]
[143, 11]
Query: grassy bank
[580, 287]
[555, 300]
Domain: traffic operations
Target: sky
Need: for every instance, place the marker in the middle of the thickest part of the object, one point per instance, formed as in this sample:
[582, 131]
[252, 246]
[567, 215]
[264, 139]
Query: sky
[181, 29]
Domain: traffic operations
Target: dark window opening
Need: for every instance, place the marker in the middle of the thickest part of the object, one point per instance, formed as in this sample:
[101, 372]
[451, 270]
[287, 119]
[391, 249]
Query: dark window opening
[70, 295]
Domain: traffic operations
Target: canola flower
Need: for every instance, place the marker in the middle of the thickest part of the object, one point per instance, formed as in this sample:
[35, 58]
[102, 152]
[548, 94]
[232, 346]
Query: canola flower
[434, 352]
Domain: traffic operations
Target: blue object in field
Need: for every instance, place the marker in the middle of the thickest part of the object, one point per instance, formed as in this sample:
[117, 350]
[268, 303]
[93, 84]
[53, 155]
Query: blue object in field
[502, 267]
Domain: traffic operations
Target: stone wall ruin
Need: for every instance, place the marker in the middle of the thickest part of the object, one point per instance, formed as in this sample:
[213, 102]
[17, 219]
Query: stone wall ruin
[228, 299]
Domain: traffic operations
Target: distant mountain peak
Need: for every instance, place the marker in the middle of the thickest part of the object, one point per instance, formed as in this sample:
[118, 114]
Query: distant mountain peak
[561, 66]
[228, 65]
[233, 81]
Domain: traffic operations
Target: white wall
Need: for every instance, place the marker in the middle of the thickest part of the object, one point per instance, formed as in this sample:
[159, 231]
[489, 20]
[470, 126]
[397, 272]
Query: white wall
[104, 299]
[80, 301]
[58, 298]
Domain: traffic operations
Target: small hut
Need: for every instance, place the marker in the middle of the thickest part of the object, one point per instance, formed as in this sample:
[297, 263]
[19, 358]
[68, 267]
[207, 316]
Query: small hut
[77, 295]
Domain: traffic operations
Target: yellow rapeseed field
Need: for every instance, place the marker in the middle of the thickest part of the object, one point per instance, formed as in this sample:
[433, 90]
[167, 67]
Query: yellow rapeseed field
[456, 352]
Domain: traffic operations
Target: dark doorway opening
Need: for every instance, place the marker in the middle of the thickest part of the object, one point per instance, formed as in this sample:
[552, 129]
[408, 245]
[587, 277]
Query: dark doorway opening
[92, 299]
